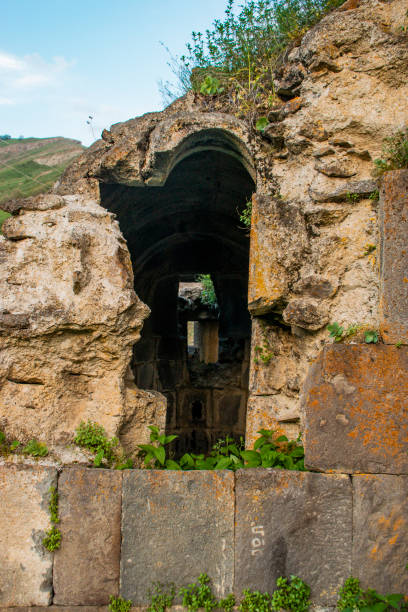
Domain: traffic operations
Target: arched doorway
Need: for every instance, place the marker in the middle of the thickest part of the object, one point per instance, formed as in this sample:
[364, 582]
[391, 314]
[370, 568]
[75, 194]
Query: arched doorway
[186, 227]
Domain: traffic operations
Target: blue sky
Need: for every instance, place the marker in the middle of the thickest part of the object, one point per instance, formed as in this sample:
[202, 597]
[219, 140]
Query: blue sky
[62, 60]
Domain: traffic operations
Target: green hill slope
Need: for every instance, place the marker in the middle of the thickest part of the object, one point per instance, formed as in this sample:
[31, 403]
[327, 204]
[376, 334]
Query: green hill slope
[31, 165]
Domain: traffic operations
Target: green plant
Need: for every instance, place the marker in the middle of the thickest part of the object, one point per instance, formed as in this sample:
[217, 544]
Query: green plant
[336, 331]
[369, 248]
[255, 601]
[269, 450]
[227, 603]
[52, 539]
[291, 595]
[352, 597]
[264, 351]
[118, 604]
[208, 295]
[245, 215]
[371, 336]
[241, 51]
[35, 449]
[374, 195]
[353, 197]
[53, 505]
[198, 595]
[161, 597]
[395, 153]
[261, 124]
[211, 86]
[14, 445]
[154, 454]
[92, 436]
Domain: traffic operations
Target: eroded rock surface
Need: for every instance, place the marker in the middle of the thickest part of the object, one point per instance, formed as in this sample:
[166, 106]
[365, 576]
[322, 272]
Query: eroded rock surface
[69, 317]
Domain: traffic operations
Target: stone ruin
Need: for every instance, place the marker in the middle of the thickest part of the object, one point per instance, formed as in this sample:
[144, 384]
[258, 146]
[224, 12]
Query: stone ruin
[95, 312]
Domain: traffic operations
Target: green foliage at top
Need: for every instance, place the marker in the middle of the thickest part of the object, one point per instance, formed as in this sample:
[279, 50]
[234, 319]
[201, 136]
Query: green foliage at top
[395, 153]
[241, 50]
[208, 295]
[352, 597]
[35, 449]
[118, 604]
[291, 595]
[269, 451]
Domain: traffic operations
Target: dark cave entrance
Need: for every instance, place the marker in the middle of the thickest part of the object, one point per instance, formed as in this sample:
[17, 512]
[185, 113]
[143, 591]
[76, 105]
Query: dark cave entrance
[196, 355]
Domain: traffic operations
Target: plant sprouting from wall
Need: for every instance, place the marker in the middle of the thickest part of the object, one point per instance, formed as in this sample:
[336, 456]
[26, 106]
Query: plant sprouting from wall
[52, 539]
[93, 437]
[241, 50]
[270, 450]
[208, 295]
[394, 154]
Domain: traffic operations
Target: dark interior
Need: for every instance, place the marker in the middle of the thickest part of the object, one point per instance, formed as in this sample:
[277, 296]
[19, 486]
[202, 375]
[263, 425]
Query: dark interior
[186, 227]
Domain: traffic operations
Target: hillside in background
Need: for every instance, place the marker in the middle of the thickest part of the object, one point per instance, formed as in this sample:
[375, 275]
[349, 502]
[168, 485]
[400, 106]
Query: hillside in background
[31, 165]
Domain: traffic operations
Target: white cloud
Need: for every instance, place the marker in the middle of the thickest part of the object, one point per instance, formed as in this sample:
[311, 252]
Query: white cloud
[29, 72]
[6, 102]
[10, 63]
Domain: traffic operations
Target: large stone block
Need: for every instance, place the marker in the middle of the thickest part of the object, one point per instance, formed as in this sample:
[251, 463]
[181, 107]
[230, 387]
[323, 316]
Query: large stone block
[25, 565]
[394, 256]
[355, 410]
[86, 568]
[278, 241]
[176, 525]
[380, 528]
[293, 523]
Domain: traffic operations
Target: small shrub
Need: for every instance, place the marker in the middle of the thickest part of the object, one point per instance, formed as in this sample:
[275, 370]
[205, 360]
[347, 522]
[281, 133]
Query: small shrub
[161, 597]
[255, 601]
[211, 86]
[118, 604]
[92, 436]
[353, 597]
[227, 603]
[291, 595]
[198, 595]
[35, 449]
[395, 153]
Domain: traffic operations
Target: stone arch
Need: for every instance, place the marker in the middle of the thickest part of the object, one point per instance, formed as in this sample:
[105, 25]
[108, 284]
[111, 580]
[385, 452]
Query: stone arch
[183, 222]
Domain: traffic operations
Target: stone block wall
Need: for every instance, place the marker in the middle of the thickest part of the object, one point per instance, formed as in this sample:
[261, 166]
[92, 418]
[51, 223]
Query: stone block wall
[123, 531]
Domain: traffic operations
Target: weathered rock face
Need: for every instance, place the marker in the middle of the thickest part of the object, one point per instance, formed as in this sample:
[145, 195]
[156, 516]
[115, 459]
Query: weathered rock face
[69, 314]
[69, 317]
